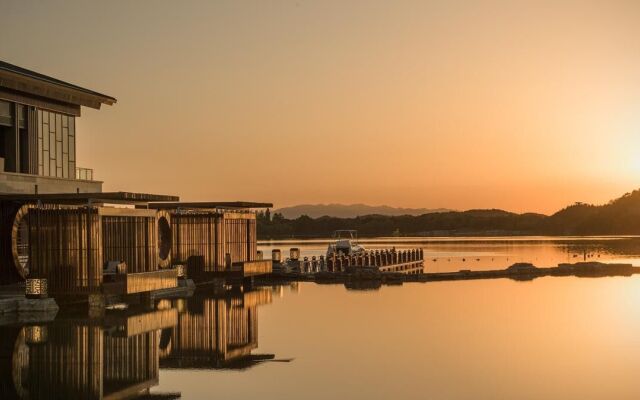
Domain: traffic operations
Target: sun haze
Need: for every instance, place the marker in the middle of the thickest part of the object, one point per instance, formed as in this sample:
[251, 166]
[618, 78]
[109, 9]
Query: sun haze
[526, 106]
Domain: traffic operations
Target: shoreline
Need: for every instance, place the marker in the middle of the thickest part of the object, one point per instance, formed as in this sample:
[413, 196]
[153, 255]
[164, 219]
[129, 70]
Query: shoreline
[518, 272]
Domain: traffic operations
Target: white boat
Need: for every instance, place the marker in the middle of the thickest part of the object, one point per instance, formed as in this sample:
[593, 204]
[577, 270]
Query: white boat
[346, 243]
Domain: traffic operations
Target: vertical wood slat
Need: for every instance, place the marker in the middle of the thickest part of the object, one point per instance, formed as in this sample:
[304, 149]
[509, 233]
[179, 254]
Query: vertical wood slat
[132, 240]
[210, 235]
[32, 133]
[66, 249]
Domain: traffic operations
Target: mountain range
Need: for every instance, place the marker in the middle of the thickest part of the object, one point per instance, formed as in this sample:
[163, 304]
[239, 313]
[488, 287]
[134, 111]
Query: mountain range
[620, 216]
[350, 210]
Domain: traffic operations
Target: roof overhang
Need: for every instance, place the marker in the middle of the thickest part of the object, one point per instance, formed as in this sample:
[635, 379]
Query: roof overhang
[208, 205]
[38, 85]
[87, 198]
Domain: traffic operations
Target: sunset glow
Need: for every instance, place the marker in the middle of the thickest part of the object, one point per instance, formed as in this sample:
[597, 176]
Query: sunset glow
[525, 106]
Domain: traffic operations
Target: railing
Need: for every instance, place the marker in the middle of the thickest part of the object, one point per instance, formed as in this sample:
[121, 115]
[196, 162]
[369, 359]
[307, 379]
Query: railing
[85, 174]
[375, 258]
[385, 260]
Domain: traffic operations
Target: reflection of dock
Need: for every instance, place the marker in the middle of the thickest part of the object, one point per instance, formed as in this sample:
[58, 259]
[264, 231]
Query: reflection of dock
[215, 332]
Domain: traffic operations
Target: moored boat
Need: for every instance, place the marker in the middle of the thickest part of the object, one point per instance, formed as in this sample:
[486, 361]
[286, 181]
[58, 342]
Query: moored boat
[345, 243]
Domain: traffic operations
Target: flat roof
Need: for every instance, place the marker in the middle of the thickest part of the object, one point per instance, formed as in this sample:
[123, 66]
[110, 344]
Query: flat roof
[164, 205]
[31, 82]
[81, 198]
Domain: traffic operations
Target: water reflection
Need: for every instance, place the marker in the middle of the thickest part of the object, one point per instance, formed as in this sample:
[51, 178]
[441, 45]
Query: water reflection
[486, 253]
[111, 357]
[216, 330]
[119, 354]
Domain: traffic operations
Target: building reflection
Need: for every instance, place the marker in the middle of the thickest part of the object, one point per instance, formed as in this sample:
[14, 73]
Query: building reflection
[218, 330]
[119, 354]
[112, 357]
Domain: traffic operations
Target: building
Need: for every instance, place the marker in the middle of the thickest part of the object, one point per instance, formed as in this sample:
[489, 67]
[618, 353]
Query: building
[63, 236]
[38, 133]
[211, 239]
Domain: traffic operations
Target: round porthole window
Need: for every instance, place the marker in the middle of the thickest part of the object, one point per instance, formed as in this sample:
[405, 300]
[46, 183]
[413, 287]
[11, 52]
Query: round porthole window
[164, 239]
[20, 241]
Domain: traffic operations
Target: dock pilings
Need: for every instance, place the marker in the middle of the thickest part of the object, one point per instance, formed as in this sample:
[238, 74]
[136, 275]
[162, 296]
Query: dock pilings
[387, 260]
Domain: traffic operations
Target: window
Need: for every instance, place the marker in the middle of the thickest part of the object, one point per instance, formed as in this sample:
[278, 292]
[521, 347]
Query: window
[6, 113]
[56, 144]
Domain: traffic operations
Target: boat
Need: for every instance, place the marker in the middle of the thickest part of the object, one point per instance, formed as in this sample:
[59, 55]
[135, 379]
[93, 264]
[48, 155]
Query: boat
[345, 243]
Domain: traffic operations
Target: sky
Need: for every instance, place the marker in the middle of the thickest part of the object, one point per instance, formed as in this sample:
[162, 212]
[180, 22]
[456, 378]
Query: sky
[519, 105]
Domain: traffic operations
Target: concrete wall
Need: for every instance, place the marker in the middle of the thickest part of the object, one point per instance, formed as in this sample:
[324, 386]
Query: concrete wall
[26, 184]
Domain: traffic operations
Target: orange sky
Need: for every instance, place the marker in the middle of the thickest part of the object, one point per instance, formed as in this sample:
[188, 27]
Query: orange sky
[526, 106]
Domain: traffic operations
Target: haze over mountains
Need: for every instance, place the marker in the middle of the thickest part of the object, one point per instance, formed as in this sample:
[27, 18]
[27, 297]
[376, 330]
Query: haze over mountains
[350, 210]
[620, 216]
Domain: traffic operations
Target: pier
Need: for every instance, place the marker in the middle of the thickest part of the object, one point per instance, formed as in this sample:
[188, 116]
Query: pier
[383, 261]
[375, 261]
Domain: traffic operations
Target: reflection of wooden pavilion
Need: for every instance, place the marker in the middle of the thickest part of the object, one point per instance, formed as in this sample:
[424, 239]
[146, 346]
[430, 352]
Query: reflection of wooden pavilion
[112, 358]
[215, 332]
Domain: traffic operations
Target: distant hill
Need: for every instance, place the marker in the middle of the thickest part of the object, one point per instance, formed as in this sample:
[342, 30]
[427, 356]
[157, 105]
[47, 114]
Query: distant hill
[618, 217]
[350, 210]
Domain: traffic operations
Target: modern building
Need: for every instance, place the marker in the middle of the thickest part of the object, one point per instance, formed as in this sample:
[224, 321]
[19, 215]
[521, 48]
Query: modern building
[211, 239]
[38, 133]
[61, 234]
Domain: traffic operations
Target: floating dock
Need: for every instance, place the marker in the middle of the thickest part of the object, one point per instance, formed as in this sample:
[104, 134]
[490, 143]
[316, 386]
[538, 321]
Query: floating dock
[368, 279]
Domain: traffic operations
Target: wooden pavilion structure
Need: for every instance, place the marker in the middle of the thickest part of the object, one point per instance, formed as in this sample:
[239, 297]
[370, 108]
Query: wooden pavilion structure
[122, 243]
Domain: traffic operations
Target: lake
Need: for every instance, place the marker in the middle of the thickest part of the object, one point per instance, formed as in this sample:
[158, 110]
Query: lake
[552, 337]
[443, 254]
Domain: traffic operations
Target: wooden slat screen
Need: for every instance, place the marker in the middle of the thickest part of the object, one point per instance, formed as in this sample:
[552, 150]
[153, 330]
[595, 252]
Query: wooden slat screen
[65, 248]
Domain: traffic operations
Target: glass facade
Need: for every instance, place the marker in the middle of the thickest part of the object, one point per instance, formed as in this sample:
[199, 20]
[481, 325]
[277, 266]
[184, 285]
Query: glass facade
[56, 145]
[37, 141]
[6, 113]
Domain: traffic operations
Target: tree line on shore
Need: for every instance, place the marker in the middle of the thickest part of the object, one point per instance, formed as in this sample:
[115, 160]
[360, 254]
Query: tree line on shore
[618, 217]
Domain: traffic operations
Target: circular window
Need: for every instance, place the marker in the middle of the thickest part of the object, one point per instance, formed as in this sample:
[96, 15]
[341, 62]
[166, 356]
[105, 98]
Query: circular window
[164, 237]
[20, 241]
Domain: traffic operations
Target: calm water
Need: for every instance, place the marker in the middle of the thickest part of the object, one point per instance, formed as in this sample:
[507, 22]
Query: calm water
[559, 338]
[478, 253]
